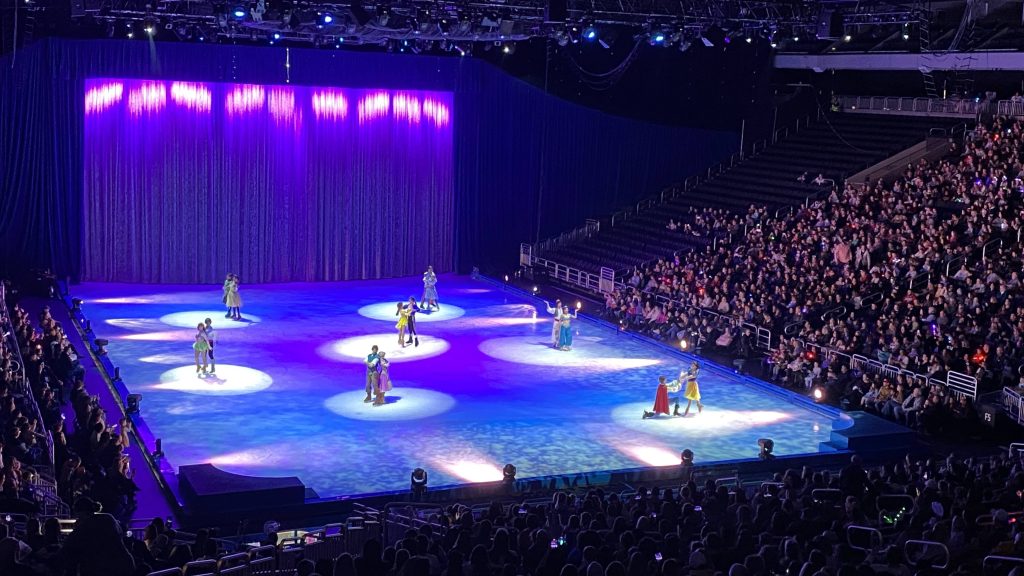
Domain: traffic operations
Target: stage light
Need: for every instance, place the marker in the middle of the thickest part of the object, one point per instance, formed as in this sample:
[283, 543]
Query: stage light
[796, 38]
[238, 12]
[150, 29]
[535, 290]
[134, 404]
[847, 38]
[683, 343]
[657, 37]
[509, 48]
[418, 481]
[749, 39]
[506, 277]
[326, 18]
[101, 345]
[686, 457]
[277, 35]
[819, 394]
[508, 473]
[767, 446]
[707, 42]
[590, 33]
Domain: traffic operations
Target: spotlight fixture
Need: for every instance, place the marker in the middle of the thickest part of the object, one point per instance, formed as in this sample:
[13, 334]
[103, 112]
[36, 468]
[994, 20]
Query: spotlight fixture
[149, 28]
[819, 394]
[277, 36]
[767, 446]
[238, 12]
[508, 473]
[847, 38]
[535, 290]
[683, 344]
[326, 18]
[134, 404]
[590, 33]
[509, 48]
[657, 37]
[418, 481]
[686, 457]
[749, 39]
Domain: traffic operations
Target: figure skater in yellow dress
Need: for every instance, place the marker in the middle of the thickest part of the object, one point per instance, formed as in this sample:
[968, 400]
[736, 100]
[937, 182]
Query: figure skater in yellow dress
[403, 321]
[692, 391]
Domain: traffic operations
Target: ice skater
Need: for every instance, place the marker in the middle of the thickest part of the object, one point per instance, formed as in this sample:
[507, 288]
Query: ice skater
[201, 347]
[403, 314]
[556, 328]
[412, 308]
[660, 400]
[211, 339]
[383, 379]
[692, 391]
[234, 299]
[227, 288]
[565, 331]
[430, 290]
[372, 375]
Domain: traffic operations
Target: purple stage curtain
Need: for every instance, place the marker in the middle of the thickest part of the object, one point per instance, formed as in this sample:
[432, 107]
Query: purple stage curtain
[185, 182]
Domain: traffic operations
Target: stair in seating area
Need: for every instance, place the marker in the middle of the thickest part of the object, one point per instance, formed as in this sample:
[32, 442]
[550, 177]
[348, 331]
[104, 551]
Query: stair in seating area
[835, 147]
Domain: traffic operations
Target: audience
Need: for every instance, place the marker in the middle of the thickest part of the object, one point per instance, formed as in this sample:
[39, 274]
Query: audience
[922, 273]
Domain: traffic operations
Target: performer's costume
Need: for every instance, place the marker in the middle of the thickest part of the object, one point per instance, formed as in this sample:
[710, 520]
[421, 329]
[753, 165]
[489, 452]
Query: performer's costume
[403, 318]
[660, 401]
[211, 340]
[234, 301]
[565, 332]
[430, 288]
[372, 376]
[692, 391]
[224, 299]
[556, 328]
[413, 308]
[201, 346]
[383, 381]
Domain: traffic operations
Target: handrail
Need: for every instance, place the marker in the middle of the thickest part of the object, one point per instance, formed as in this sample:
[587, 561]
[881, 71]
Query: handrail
[920, 105]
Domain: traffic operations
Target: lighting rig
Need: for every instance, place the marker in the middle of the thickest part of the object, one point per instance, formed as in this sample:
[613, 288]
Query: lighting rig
[417, 25]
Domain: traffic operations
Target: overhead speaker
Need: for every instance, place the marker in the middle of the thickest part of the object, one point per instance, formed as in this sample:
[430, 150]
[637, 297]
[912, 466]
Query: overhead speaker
[557, 11]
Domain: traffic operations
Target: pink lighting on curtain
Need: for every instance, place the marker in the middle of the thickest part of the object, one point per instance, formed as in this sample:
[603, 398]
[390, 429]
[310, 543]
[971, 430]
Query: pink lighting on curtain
[374, 105]
[281, 103]
[103, 96]
[437, 112]
[193, 96]
[331, 104]
[406, 106]
[150, 97]
[244, 99]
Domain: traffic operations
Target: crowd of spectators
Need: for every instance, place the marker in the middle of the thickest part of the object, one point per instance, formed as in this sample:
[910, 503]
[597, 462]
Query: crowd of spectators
[87, 465]
[797, 523]
[922, 273]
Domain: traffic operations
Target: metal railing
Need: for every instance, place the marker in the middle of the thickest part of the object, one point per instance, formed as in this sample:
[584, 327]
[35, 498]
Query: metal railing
[1010, 108]
[1013, 404]
[913, 105]
[588, 229]
[592, 282]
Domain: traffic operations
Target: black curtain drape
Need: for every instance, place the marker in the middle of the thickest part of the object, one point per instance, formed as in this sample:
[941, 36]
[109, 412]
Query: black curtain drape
[525, 164]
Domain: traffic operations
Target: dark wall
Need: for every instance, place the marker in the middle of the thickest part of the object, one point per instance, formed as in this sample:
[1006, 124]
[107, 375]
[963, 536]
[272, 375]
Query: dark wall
[527, 164]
